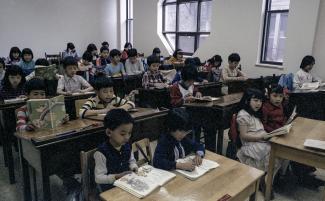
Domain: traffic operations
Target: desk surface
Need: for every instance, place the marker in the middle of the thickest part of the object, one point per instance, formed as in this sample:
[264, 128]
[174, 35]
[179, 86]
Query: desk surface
[301, 130]
[224, 101]
[231, 178]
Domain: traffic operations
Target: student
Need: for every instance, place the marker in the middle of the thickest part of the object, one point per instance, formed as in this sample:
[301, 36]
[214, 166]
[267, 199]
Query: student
[133, 65]
[14, 56]
[86, 65]
[156, 52]
[92, 49]
[114, 157]
[184, 91]
[213, 67]
[103, 60]
[231, 72]
[105, 99]
[27, 63]
[70, 51]
[70, 82]
[13, 84]
[127, 47]
[153, 77]
[304, 75]
[2, 70]
[175, 145]
[177, 58]
[189, 61]
[115, 68]
[105, 44]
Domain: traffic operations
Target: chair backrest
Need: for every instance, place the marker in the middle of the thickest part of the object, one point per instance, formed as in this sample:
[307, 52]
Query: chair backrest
[53, 58]
[233, 133]
[142, 147]
[78, 105]
[87, 173]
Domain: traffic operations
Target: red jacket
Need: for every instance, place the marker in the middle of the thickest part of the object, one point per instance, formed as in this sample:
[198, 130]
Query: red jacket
[176, 95]
[273, 117]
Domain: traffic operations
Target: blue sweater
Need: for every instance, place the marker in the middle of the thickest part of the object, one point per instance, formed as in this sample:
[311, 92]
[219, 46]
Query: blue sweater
[164, 157]
[27, 67]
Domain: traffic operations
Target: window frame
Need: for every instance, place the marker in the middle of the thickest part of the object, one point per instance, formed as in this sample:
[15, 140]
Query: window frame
[266, 28]
[178, 33]
[129, 19]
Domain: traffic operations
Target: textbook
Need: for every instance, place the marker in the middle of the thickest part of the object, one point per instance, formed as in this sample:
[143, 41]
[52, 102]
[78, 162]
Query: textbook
[281, 131]
[310, 86]
[205, 167]
[206, 99]
[145, 181]
[46, 113]
[46, 72]
[315, 144]
[292, 116]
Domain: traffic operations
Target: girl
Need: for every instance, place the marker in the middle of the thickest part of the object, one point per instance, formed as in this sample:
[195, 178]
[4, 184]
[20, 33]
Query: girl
[85, 65]
[304, 75]
[115, 68]
[212, 67]
[14, 56]
[177, 58]
[70, 51]
[27, 63]
[92, 49]
[13, 84]
[124, 55]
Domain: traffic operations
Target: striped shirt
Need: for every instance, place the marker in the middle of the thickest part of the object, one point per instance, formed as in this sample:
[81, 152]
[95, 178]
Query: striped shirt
[22, 118]
[95, 104]
[72, 84]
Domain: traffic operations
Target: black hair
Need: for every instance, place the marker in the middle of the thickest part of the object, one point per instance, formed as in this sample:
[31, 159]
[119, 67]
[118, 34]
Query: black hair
[307, 60]
[178, 119]
[87, 56]
[176, 52]
[69, 61]
[245, 101]
[13, 71]
[156, 50]
[114, 52]
[91, 47]
[42, 62]
[35, 84]
[132, 52]
[105, 43]
[26, 51]
[70, 46]
[101, 81]
[127, 45]
[152, 60]
[215, 58]
[117, 117]
[189, 72]
[104, 48]
[2, 61]
[275, 88]
[234, 57]
[193, 61]
[14, 50]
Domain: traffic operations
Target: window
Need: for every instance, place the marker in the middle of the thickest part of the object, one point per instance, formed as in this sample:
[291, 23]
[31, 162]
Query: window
[274, 32]
[129, 21]
[186, 23]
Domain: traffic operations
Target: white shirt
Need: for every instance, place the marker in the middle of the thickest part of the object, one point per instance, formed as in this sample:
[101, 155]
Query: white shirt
[303, 77]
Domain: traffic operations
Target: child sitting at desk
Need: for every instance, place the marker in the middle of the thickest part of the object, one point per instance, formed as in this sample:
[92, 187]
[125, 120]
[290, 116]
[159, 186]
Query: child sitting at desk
[103, 60]
[133, 65]
[213, 67]
[12, 85]
[304, 75]
[71, 83]
[115, 68]
[85, 64]
[184, 90]
[175, 145]
[104, 100]
[153, 77]
[114, 157]
[189, 61]
[232, 71]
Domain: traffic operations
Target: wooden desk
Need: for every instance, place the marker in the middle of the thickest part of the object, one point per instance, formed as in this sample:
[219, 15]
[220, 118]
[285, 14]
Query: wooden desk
[210, 89]
[216, 115]
[291, 147]
[241, 86]
[231, 177]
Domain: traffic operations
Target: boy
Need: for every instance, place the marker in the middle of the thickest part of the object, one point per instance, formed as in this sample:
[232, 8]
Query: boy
[133, 65]
[105, 99]
[114, 157]
[103, 60]
[72, 83]
[153, 77]
[175, 145]
[184, 91]
[231, 72]
[115, 68]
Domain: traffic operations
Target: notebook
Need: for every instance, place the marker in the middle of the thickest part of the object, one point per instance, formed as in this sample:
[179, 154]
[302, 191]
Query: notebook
[315, 144]
[281, 131]
[310, 86]
[206, 99]
[205, 167]
[145, 181]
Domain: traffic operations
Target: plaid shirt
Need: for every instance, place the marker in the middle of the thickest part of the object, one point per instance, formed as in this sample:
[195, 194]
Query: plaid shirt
[149, 79]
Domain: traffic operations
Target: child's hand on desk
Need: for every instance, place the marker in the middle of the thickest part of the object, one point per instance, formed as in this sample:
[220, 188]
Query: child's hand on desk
[117, 176]
[197, 160]
[188, 166]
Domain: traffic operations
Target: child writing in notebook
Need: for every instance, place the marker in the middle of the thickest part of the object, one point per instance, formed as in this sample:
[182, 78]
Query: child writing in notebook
[27, 63]
[153, 78]
[175, 145]
[86, 65]
[114, 157]
[304, 75]
[71, 83]
[13, 83]
[115, 68]
[232, 71]
[105, 99]
[70, 51]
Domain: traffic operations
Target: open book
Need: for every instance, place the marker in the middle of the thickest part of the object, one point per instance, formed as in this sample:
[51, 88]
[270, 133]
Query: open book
[292, 116]
[46, 72]
[310, 86]
[205, 167]
[206, 99]
[145, 181]
[46, 113]
[84, 93]
[315, 144]
[281, 131]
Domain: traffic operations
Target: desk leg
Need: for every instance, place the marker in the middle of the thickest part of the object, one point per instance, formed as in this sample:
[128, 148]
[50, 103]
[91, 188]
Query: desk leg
[270, 174]
[25, 172]
[220, 141]
[253, 197]
[11, 167]
[45, 179]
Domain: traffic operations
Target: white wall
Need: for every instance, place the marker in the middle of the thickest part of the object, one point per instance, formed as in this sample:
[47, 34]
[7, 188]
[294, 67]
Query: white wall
[319, 44]
[47, 25]
[237, 27]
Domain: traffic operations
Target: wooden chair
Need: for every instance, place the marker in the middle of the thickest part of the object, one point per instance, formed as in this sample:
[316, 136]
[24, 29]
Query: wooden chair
[54, 58]
[142, 147]
[78, 105]
[87, 174]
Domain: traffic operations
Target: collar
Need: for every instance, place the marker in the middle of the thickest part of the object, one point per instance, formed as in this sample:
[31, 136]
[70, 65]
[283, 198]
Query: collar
[74, 78]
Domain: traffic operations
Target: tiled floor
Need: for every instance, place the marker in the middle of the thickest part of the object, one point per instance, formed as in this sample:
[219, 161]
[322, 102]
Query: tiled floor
[289, 191]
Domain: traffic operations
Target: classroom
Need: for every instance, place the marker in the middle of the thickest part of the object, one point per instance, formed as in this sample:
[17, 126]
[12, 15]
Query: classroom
[162, 100]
